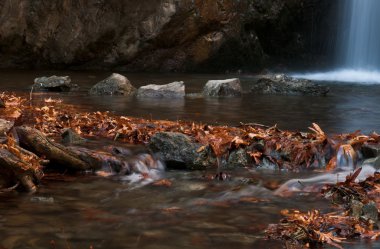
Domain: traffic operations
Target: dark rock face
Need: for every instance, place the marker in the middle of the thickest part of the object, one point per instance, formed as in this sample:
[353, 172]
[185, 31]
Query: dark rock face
[284, 85]
[153, 35]
[223, 88]
[116, 84]
[54, 84]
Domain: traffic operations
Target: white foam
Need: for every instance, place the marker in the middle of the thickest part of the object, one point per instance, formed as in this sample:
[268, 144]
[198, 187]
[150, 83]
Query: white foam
[344, 75]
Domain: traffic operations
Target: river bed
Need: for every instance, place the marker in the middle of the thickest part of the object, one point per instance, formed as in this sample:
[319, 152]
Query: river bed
[195, 212]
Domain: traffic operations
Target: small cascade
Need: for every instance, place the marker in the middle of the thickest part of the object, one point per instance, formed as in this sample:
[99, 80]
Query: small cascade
[346, 158]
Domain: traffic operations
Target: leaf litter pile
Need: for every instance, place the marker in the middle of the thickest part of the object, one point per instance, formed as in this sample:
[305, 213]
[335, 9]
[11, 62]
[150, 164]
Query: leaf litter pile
[285, 149]
[358, 202]
[357, 216]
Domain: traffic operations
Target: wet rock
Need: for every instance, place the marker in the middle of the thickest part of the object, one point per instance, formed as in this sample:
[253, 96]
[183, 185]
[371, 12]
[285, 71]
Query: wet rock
[370, 211]
[180, 151]
[370, 150]
[223, 88]
[367, 211]
[239, 158]
[266, 164]
[374, 162]
[284, 85]
[71, 137]
[42, 199]
[54, 84]
[175, 89]
[116, 84]
[356, 208]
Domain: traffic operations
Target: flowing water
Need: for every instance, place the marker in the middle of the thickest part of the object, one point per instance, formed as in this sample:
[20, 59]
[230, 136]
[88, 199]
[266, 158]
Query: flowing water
[195, 212]
[358, 50]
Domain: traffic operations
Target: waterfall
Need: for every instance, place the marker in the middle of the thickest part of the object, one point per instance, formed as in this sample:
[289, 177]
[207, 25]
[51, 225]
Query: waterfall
[358, 44]
[359, 37]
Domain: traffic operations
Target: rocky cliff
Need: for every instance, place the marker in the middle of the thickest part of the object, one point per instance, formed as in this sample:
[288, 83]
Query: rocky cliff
[160, 35]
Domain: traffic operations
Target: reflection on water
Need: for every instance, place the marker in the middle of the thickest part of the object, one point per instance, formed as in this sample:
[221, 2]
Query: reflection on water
[344, 75]
[95, 212]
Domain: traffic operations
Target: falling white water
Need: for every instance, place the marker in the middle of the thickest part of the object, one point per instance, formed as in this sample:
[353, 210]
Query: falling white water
[358, 45]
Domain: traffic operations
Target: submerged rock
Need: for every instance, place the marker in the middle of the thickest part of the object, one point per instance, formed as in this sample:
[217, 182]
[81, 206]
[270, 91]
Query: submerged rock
[180, 151]
[174, 89]
[116, 84]
[54, 84]
[284, 85]
[223, 88]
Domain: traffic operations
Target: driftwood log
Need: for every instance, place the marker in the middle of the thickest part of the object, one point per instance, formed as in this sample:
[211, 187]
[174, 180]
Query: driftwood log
[36, 142]
[21, 164]
[27, 175]
[115, 160]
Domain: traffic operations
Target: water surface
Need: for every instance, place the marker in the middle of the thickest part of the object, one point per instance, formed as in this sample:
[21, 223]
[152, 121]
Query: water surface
[95, 212]
[347, 108]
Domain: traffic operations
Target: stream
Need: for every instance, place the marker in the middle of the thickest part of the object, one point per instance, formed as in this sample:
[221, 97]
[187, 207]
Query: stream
[195, 212]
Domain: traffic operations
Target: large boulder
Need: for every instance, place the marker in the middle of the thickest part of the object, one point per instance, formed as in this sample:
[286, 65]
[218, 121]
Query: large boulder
[171, 90]
[223, 88]
[180, 151]
[116, 84]
[54, 83]
[285, 85]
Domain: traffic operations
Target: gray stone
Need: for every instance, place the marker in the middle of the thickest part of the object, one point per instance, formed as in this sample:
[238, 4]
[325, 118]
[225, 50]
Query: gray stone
[223, 88]
[239, 158]
[356, 208]
[285, 85]
[371, 212]
[180, 151]
[371, 150]
[71, 137]
[54, 84]
[368, 211]
[116, 84]
[171, 90]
